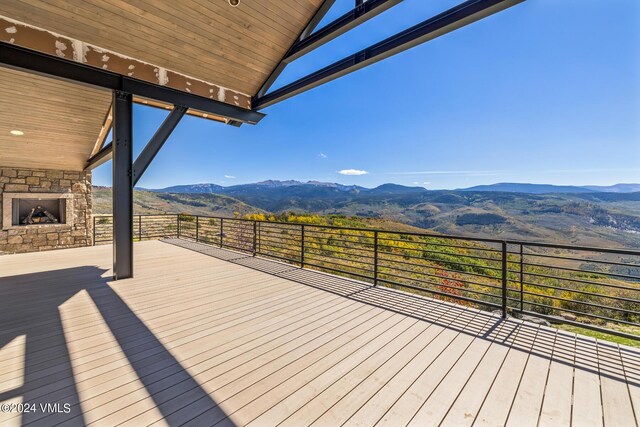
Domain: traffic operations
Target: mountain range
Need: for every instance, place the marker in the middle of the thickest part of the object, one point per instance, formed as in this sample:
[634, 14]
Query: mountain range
[508, 187]
[604, 216]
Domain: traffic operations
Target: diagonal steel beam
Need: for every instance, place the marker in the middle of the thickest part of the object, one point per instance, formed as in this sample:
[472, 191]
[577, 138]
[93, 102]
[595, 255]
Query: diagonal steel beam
[313, 23]
[100, 157]
[457, 17]
[357, 16]
[156, 142]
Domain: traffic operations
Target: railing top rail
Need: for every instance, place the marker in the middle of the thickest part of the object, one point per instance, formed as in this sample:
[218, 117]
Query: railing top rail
[620, 251]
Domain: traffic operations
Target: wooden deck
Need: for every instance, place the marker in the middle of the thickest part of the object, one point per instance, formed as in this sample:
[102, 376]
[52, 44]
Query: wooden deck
[220, 338]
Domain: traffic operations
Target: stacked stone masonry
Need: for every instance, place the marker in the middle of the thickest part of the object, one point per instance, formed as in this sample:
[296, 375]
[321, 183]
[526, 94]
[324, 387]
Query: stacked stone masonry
[46, 236]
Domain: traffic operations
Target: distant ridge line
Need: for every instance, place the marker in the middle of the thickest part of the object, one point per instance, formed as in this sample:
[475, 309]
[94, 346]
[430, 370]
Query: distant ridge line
[389, 188]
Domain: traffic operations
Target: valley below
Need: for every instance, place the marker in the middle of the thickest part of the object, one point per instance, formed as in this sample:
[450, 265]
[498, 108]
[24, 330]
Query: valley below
[588, 218]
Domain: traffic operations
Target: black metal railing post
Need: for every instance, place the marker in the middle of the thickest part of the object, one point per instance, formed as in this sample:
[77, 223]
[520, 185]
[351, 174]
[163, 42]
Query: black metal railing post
[221, 230]
[375, 258]
[255, 237]
[302, 246]
[504, 280]
[521, 278]
[556, 283]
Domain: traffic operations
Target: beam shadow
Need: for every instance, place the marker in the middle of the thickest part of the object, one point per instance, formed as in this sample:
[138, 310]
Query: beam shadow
[30, 306]
[599, 357]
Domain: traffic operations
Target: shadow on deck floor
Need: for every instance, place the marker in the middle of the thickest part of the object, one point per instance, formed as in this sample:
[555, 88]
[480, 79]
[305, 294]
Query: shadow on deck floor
[620, 363]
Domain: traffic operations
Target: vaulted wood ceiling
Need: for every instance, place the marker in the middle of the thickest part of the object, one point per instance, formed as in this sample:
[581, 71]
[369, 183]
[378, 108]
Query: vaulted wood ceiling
[204, 47]
[233, 47]
[61, 121]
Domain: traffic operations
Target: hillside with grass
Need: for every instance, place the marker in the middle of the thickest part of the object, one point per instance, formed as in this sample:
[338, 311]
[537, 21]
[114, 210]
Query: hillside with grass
[147, 202]
[604, 219]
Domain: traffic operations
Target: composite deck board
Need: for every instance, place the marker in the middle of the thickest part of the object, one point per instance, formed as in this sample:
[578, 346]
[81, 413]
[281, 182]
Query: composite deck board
[207, 336]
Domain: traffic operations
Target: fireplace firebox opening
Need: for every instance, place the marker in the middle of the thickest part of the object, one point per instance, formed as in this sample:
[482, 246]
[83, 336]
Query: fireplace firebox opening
[38, 211]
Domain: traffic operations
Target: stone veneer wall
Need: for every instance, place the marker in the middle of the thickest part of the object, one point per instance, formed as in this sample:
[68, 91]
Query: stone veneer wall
[44, 237]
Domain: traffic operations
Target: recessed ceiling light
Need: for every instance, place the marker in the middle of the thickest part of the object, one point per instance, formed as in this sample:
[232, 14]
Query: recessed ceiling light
[16, 132]
[234, 3]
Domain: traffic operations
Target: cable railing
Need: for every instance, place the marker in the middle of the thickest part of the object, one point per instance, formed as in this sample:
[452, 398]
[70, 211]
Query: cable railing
[593, 288]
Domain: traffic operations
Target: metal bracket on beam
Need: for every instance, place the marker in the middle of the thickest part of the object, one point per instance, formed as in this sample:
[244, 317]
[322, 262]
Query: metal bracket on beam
[457, 17]
[157, 141]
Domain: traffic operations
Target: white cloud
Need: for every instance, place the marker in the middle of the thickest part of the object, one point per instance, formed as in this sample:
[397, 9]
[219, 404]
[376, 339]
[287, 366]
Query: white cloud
[426, 183]
[322, 155]
[352, 172]
[230, 177]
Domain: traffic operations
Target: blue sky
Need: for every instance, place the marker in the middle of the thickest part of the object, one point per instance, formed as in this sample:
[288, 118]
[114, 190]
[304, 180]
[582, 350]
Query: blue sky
[546, 92]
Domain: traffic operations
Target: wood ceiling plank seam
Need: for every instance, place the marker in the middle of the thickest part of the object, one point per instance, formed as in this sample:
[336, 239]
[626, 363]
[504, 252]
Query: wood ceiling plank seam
[288, 8]
[136, 51]
[279, 28]
[61, 121]
[54, 97]
[64, 115]
[310, 7]
[205, 70]
[273, 14]
[51, 128]
[60, 152]
[164, 26]
[169, 21]
[259, 35]
[236, 81]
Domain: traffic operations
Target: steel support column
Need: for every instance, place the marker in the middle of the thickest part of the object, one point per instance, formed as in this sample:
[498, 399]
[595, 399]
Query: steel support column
[122, 185]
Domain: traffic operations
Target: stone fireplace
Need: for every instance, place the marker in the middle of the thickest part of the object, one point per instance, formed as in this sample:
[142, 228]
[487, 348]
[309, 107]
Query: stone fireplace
[27, 209]
[44, 209]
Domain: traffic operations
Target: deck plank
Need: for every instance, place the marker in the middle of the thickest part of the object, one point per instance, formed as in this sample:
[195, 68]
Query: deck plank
[496, 405]
[587, 400]
[435, 408]
[556, 410]
[616, 401]
[207, 336]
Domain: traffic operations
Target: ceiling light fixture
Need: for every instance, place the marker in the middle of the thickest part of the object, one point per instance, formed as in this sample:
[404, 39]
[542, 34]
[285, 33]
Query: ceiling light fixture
[234, 3]
[16, 132]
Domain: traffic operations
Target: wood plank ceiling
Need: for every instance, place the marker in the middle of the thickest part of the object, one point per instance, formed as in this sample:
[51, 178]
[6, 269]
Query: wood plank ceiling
[61, 121]
[233, 47]
[205, 47]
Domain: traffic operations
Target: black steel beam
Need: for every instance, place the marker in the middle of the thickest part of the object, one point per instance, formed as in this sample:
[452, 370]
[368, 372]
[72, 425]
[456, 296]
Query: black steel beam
[311, 25]
[358, 15]
[457, 17]
[316, 19]
[51, 66]
[156, 142]
[100, 157]
[122, 185]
